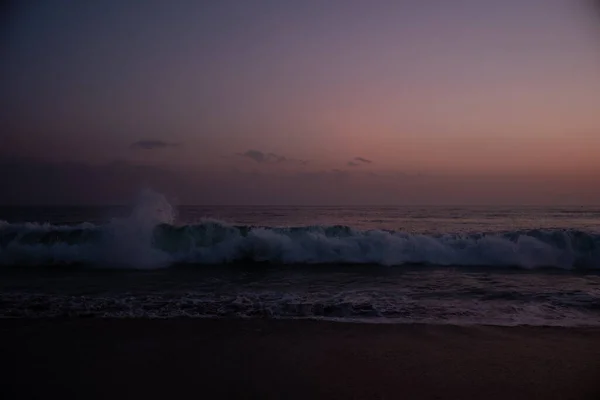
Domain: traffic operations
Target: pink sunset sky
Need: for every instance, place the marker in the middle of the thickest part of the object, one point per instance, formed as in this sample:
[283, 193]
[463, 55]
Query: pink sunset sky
[302, 102]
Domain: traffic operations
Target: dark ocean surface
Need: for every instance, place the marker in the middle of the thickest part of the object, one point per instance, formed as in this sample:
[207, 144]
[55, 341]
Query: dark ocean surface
[451, 265]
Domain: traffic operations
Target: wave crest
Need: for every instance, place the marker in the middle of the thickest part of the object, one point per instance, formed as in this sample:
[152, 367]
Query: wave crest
[127, 243]
[148, 239]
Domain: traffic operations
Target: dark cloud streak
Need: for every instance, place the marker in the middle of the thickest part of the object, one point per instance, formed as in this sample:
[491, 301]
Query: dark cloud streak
[269, 158]
[358, 161]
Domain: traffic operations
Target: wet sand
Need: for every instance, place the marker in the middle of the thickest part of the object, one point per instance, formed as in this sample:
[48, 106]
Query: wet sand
[158, 359]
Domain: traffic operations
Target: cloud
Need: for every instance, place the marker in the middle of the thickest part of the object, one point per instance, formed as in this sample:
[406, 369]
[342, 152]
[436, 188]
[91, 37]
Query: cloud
[363, 160]
[149, 144]
[358, 161]
[269, 158]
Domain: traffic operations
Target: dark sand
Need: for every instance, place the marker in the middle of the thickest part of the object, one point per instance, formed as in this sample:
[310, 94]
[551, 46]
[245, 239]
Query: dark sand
[152, 359]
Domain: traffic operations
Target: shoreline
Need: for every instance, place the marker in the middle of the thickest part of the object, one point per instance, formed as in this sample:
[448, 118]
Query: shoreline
[262, 358]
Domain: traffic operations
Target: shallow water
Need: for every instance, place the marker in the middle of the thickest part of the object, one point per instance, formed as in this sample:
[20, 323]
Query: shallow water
[347, 293]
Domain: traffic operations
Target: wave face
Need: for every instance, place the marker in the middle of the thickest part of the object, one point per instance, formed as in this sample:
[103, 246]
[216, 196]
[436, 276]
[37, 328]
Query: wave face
[129, 243]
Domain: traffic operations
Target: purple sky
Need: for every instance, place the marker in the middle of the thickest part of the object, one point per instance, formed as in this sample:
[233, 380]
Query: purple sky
[302, 102]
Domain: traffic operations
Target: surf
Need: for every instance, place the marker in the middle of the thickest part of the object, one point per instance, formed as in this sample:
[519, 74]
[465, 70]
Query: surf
[150, 238]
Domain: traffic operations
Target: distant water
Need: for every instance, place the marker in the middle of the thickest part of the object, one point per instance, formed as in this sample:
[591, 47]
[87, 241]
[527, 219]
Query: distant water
[409, 219]
[458, 265]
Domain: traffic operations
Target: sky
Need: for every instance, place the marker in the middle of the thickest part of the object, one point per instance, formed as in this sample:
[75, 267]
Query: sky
[301, 101]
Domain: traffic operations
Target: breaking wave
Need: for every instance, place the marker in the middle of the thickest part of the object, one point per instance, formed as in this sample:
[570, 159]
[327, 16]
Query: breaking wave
[149, 239]
[211, 242]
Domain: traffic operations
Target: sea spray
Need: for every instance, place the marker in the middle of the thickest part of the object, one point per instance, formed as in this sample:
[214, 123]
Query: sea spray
[130, 241]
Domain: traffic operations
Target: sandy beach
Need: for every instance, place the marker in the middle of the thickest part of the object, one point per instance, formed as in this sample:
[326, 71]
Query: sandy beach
[141, 358]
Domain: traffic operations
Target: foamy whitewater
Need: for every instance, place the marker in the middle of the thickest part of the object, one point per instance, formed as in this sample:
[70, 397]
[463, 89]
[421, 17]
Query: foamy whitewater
[505, 266]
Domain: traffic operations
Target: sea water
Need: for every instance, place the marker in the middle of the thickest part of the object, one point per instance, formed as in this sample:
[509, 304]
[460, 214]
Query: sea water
[385, 264]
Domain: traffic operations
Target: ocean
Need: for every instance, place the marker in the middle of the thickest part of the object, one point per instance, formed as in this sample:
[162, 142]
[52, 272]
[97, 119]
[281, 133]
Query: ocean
[378, 264]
